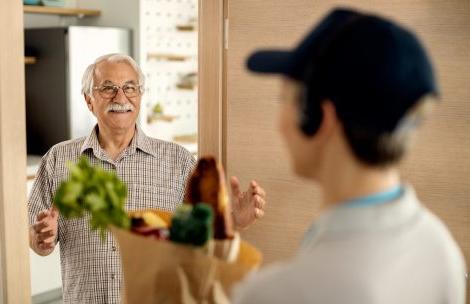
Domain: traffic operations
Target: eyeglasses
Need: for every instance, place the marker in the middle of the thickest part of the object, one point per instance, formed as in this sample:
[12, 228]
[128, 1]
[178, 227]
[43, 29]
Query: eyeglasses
[110, 91]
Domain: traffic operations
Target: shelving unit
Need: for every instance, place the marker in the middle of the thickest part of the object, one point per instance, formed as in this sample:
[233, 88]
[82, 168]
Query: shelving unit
[169, 51]
[62, 11]
[30, 60]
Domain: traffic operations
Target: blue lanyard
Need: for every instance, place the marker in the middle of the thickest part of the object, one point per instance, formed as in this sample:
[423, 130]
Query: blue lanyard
[377, 198]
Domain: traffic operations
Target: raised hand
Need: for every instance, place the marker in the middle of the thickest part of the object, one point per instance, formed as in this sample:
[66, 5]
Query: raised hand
[247, 206]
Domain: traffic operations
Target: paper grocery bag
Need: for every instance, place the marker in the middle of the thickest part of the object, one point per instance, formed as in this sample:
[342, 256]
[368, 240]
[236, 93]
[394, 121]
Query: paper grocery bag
[157, 271]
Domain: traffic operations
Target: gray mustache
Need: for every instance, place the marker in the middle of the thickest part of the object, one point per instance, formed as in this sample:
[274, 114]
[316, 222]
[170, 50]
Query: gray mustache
[120, 107]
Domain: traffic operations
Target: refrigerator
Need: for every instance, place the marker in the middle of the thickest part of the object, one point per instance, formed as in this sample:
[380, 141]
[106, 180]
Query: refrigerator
[55, 108]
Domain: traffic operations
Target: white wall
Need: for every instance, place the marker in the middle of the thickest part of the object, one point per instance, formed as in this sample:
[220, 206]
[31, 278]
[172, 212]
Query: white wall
[45, 272]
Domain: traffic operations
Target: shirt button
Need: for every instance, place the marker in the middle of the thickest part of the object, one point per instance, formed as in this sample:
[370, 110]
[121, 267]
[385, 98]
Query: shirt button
[113, 276]
[114, 248]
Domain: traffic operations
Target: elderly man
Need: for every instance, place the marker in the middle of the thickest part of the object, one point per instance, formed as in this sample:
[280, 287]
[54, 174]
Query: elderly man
[155, 172]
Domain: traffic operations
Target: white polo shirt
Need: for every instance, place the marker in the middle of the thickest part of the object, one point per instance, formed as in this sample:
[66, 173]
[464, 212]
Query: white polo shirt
[392, 253]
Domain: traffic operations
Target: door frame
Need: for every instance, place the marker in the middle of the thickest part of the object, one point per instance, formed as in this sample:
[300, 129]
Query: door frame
[212, 44]
[14, 236]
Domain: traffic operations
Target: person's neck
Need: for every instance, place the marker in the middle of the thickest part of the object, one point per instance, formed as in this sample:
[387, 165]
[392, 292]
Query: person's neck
[355, 184]
[114, 142]
[345, 178]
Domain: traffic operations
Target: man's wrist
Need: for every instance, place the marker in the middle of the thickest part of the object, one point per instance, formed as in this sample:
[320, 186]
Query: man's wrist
[236, 224]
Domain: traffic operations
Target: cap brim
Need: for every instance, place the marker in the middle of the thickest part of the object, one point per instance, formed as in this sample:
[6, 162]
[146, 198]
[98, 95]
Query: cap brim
[270, 61]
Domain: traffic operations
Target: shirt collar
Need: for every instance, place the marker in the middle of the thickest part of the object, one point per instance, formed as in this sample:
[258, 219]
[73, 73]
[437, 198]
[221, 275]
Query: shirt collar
[343, 220]
[91, 142]
[140, 141]
[143, 142]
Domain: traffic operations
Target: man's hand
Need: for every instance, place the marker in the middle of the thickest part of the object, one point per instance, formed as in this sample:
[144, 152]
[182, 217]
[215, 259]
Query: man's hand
[247, 206]
[43, 232]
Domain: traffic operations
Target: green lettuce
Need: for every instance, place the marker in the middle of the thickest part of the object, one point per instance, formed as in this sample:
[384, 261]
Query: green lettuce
[94, 190]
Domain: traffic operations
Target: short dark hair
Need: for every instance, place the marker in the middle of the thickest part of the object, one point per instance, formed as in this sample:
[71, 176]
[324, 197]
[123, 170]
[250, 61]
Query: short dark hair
[381, 149]
[378, 150]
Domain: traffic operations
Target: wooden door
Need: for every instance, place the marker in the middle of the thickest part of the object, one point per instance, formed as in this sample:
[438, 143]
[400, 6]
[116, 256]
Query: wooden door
[249, 143]
[253, 147]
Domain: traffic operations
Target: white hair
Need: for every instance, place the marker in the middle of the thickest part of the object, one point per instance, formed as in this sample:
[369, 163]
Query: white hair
[87, 80]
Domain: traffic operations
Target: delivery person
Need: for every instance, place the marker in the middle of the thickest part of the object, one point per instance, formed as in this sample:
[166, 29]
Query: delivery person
[354, 90]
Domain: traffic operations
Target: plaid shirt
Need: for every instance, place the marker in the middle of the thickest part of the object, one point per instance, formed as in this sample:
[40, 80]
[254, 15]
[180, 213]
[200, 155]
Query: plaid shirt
[155, 172]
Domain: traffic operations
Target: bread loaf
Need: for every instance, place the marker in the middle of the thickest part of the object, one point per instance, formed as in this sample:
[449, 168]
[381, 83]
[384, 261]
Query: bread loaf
[207, 185]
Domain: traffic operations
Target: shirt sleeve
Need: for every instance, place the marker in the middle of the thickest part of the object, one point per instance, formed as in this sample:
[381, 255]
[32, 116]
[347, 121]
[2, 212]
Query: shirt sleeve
[41, 194]
[457, 276]
[188, 164]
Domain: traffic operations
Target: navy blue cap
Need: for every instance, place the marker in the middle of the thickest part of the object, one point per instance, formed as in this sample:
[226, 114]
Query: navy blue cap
[372, 69]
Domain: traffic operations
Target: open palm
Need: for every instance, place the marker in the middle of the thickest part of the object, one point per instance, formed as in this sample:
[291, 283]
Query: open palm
[247, 206]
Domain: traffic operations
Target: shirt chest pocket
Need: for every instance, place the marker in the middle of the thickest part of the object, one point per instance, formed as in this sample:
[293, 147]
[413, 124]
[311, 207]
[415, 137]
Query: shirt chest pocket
[153, 197]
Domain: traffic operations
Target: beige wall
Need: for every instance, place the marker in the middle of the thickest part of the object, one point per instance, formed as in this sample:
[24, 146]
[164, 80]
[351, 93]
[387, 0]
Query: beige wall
[439, 167]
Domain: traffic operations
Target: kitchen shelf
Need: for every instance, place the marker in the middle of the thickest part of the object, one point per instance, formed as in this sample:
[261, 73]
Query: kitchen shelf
[161, 117]
[185, 139]
[29, 60]
[185, 27]
[78, 12]
[168, 57]
[188, 87]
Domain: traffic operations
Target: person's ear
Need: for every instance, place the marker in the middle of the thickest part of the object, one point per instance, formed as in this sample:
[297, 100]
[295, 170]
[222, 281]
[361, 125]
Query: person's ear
[88, 102]
[329, 121]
